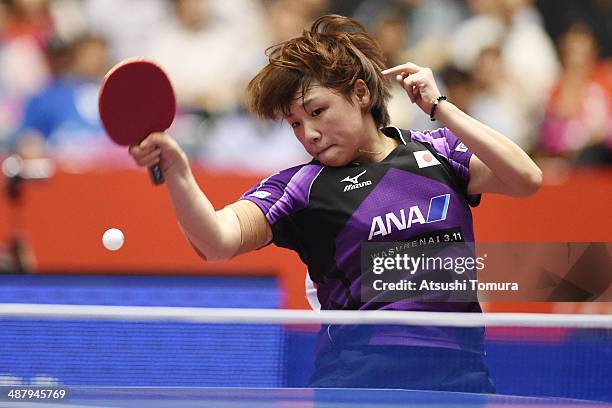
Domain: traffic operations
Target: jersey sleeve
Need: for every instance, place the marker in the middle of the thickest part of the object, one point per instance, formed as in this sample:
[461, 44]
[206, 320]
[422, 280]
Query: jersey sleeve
[448, 145]
[280, 197]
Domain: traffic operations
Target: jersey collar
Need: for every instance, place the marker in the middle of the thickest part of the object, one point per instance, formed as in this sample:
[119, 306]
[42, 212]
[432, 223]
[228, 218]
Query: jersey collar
[395, 133]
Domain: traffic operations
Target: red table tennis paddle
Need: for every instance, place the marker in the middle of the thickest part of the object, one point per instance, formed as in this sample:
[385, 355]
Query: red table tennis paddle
[136, 99]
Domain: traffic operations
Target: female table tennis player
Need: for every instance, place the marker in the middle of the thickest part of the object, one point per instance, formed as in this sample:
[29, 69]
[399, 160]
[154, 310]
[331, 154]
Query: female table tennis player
[332, 87]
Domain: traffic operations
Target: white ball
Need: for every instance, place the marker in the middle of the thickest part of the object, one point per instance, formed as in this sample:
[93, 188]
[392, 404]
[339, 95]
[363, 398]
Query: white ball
[112, 239]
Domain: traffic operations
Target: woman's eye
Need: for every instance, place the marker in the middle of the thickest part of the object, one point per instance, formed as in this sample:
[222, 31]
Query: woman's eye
[295, 125]
[317, 112]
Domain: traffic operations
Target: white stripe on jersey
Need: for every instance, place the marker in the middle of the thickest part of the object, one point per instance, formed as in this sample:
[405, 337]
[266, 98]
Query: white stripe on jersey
[311, 294]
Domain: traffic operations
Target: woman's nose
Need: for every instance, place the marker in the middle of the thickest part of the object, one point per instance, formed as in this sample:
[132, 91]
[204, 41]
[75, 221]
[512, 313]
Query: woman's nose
[312, 135]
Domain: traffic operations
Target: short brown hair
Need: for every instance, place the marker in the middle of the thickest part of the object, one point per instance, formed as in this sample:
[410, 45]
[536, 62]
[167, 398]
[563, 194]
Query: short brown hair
[335, 52]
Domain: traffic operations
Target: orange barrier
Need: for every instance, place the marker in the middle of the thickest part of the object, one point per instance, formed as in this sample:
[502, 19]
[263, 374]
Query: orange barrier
[64, 219]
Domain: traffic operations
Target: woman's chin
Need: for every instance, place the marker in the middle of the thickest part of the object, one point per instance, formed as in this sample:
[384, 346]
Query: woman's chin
[333, 157]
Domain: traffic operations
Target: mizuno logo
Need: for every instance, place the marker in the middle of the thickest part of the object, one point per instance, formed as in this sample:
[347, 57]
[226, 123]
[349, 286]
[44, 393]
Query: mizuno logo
[355, 184]
[355, 179]
[386, 224]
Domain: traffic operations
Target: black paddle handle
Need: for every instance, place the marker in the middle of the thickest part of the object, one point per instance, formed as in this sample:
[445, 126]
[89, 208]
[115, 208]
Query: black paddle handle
[157, 175]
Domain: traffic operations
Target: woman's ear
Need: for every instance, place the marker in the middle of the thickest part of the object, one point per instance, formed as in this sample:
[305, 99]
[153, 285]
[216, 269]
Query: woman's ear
[361, 93]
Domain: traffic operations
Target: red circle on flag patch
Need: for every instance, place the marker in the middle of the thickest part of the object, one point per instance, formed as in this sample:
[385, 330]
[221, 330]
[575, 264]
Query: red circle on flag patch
[427, 157]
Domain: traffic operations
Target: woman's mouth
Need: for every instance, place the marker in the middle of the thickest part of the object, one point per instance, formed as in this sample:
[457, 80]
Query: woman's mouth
[323, 150]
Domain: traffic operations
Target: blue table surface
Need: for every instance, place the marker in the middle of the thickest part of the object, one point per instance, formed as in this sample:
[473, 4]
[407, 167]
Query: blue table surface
[286, 398]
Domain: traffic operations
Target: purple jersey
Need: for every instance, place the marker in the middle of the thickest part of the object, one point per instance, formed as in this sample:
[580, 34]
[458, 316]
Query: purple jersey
[325, 214]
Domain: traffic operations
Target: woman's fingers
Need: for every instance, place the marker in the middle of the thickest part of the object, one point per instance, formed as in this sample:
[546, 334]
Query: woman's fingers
[410, 90]
[408, 68]
[150, 159]
[418, 82]
[414, 85]
[401, 78]
[147, 152]
[153, 140]
[147, 159]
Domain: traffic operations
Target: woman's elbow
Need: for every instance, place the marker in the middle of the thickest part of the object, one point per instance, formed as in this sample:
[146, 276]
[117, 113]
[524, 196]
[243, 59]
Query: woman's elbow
[209, 253]
[216, 254]
[529, 184]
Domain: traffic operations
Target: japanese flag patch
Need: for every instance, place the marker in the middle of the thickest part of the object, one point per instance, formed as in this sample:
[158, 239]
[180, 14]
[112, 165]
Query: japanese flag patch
[425, 159]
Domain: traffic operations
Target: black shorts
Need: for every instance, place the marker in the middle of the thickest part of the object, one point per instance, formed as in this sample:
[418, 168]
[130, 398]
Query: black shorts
[401, 367]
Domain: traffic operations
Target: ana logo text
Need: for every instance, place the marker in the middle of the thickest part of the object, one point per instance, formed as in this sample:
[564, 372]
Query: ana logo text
[385, 224]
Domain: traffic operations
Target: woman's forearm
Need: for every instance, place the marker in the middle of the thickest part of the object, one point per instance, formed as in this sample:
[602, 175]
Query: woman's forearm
[508, 162]
[195, 213]
[214, 234]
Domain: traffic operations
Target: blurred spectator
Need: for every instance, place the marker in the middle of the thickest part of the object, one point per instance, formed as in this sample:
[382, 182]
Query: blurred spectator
[459, 87]
[287, 19]
[507, 36]
[69, 19]
[390, 33]
[26, 26]
[127, 25]
[528, 53]
[498, 65]
[427, 23]
[201, 51]
[430, 46]
[559, 15]
[483, 29]
[242, 144]
[62, 119]
[30, 18]
[235, 141]
[281, 21]
[496, 101]
[23, 69]
[4, 16]
[371, 12]
[578, 121]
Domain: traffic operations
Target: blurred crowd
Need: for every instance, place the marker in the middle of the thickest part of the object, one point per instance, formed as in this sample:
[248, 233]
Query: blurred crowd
[538, 71]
